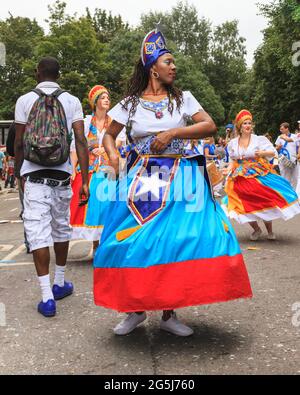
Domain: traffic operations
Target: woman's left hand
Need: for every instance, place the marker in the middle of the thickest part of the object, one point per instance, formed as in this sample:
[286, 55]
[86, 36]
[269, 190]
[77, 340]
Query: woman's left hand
[260, 154]
[161, 141]
[96, 152]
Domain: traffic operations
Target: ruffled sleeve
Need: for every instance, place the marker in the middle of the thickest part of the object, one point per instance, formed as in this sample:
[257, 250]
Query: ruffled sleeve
[122, 136]
[266, 145]
[191, 105]
[119, 114]
[230, 150]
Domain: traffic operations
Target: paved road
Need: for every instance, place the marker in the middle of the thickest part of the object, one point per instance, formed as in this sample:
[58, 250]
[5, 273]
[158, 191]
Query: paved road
[245, 337]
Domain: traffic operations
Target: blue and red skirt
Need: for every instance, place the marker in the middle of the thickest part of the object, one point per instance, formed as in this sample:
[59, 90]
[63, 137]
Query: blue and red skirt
[173, 251]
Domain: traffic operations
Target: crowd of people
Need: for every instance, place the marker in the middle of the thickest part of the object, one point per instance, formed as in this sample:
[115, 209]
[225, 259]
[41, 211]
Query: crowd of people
[7, 170]
[160, 237]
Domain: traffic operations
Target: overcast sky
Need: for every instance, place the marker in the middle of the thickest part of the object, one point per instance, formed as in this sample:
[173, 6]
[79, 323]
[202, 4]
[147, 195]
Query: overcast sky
[246, 11]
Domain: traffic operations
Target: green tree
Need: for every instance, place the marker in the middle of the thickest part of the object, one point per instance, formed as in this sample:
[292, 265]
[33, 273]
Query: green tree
[226, 68]
[191, 78]
[276, 77]
[83, 58]
[20, 36]
[183, 26]
[106, 25]
[124, 52]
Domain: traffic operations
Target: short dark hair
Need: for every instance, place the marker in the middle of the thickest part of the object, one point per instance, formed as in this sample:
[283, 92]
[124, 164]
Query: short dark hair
[49, 67]
[285, 125]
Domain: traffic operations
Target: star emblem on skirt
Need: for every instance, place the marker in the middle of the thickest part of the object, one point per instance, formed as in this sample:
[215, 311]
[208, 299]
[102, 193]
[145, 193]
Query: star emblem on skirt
[150, 184]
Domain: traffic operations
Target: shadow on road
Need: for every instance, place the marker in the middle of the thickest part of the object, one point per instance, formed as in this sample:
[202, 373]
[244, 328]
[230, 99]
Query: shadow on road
[208, 340]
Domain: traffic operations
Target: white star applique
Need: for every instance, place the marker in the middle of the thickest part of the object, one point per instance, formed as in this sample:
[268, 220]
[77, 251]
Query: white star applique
[151, 184]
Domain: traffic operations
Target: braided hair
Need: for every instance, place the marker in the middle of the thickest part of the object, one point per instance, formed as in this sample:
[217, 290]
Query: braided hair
[137, 85]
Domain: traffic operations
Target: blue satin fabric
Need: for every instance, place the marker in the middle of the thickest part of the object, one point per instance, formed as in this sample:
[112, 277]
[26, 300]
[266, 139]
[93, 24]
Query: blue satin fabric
[100, 191]
[185, 230]
[280, 185]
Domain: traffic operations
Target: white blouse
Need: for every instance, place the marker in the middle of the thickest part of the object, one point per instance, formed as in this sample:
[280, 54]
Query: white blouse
[145, 123]
[257, 143]
[100, 135]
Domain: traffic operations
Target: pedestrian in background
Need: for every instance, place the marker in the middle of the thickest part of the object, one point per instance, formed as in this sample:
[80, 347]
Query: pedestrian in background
[10, 172]
[286, 145]
[2, 158]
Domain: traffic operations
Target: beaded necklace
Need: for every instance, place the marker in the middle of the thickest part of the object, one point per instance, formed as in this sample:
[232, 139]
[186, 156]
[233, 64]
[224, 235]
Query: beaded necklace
[157, 107]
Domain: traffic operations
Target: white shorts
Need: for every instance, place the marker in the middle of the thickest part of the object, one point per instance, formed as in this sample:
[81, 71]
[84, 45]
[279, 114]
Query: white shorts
[290, 175]
[46, 215]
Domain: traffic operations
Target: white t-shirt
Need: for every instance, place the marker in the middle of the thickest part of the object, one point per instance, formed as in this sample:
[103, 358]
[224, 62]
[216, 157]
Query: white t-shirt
[290, 147]
[145, 123]
[73, 110]
[257, 143]
[199, 146]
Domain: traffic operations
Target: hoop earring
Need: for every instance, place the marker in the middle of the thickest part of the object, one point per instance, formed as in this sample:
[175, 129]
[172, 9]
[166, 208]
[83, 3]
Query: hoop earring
[155, 75]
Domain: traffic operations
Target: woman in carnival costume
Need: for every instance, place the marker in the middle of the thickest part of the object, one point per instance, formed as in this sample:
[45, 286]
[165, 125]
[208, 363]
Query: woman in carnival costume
[254, 189]
[160, 250]
[87, 220]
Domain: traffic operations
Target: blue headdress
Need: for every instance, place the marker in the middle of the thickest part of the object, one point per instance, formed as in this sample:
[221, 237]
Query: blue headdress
[154, 46]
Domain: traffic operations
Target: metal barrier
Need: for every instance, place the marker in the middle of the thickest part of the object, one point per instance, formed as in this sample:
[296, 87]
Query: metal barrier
[4, 127]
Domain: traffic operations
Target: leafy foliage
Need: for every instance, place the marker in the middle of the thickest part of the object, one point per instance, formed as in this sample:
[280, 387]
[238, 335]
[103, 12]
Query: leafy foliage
[100, 48]
[276, 79]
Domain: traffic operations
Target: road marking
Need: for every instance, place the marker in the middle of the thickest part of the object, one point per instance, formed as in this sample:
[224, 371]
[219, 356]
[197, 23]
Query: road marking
[5, 265]
[2, 315]
[10, 259]
[12, 255]
[14, 209]
[9, 221]
[6, 247]
[10, 199]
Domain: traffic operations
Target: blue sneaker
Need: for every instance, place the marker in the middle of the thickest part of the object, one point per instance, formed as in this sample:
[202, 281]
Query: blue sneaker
[62, 292]
[47, 309]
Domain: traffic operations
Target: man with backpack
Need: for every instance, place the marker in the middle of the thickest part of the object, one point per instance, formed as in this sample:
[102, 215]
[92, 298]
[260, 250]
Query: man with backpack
[44, 121]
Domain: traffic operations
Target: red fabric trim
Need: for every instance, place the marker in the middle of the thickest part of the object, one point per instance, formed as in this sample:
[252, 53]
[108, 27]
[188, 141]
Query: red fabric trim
[77, 213]
[172, 286]
[256, 196]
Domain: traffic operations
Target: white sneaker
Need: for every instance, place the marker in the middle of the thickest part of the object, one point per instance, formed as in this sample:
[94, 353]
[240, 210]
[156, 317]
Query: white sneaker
[176, 327]
[129, 324]
[271, 236]
[256, 235]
